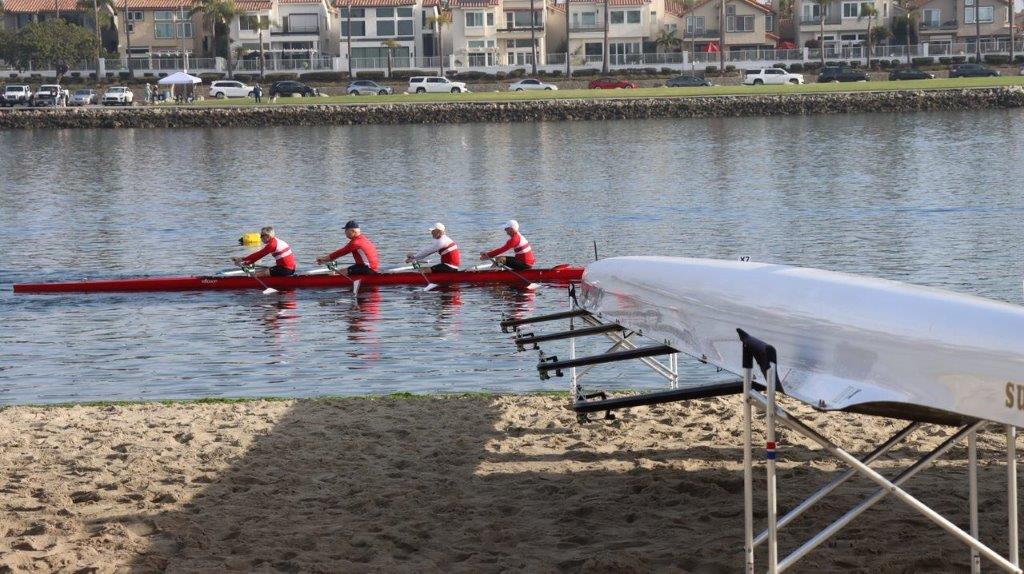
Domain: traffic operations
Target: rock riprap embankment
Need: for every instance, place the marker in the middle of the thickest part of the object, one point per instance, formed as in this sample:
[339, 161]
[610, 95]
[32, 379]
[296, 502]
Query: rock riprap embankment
[518, 111]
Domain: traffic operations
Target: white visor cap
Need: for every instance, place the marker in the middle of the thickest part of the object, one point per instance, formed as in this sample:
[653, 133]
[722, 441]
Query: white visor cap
[513, 224]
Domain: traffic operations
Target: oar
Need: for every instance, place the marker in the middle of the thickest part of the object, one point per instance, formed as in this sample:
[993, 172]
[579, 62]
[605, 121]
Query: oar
[355, 282]
[529, 285]
[481, 267]
[430, 286]
[252, 273]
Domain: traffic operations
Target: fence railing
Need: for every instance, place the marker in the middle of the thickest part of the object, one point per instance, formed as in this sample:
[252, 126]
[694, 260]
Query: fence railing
[300, 62]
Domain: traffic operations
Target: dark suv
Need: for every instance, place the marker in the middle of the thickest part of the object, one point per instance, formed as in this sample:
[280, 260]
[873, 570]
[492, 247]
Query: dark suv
[971, 71]
[841, 74]
[291, 88]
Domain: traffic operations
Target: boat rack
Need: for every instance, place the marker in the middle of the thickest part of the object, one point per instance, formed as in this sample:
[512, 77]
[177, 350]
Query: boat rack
[763, 356]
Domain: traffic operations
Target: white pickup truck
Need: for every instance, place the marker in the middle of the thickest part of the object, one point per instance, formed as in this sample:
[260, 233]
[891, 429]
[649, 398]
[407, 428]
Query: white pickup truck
[771, 76]
[50, 95]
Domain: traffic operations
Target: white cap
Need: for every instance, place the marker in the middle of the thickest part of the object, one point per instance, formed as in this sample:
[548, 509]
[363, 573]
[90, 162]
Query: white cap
[513, 224]
[438, 226]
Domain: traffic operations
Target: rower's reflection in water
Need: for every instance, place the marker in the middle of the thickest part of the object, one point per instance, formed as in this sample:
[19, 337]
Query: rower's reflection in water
[279, 318]
[362, 315]
[445, 301]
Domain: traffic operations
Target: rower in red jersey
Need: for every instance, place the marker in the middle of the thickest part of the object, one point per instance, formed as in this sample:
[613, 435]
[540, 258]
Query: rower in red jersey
[362, 251]
[284, 260]
[443, 246]
[522, 258]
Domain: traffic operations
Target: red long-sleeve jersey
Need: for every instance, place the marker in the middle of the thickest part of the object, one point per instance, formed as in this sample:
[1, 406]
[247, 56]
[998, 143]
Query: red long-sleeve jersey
[281, 251]
[362, 250]
[519, 245]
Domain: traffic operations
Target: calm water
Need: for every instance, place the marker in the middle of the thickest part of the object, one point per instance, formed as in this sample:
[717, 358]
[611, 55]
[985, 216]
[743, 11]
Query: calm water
[928, 198]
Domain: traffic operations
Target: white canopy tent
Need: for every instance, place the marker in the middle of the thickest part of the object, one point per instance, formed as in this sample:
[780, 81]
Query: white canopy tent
[183, 79]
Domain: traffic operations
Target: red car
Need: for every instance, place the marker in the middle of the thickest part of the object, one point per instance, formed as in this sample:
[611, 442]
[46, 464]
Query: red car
[610, 84]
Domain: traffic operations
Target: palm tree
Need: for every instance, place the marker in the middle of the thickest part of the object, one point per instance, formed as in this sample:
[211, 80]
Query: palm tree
[440, 20]
[604, 64]
[910, 8]
[102, 11]
[868, 10]
[390, 44]
[216, 13]
[685, 7]
[262, 23]
[667, 41]
[822, 7]
[568, 64]
[533, 37]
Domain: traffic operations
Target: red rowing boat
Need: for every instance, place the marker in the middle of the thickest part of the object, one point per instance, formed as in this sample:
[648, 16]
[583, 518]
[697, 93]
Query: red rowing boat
[559, 274]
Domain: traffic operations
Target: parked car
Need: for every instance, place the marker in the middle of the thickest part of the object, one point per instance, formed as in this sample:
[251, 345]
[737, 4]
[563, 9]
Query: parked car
[367, 88]
[230, 89]
[435, 84]
[971, 71]
[771, 76]
[687, 81]
[290, 88]
[910, 74]
[610, 84]
[50, 95]
[84, 98]
[118, 96]
[16, 94]
[841, 74]
[530, 84]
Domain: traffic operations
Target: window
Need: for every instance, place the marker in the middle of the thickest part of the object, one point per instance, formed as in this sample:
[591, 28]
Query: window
[356, 13]
[404, 12]
[385, 27]
[618, 17]
[302, 23]
[490, 18]
[810, 12]
[164, 24]
[671, 28]
[405, 27]
[851, 9]
[769, 23]
[695, 25]
[136, 16]
[385, 12]
[986, 14]
[932, 18]
[739, 23]
[588, 19]
[633, 17]
[474, 19]
[358, 27]
[521, 19]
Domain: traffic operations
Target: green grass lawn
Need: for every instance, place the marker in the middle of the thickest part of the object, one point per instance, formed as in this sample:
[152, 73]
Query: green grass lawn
[661, 92]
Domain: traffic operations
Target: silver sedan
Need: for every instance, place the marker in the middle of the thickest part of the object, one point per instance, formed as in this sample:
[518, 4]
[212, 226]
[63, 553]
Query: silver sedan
[84, 98]
[530, 84]
[367, 88]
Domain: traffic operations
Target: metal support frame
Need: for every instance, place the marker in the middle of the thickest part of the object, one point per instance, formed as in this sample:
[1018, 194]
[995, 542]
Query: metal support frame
[765, 356]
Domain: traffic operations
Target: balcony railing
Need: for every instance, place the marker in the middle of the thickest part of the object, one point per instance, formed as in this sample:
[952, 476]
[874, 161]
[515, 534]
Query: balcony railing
[296, 30]
[829, 21]
[526, 28]
[586, 27]
[930, 26]
[702, 33]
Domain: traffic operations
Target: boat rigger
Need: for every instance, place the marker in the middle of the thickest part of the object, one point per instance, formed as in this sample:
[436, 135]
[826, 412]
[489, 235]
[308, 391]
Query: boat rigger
[558, 275]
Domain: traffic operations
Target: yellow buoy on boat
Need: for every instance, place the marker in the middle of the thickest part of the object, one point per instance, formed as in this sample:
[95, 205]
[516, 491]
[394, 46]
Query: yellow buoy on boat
[249, 239]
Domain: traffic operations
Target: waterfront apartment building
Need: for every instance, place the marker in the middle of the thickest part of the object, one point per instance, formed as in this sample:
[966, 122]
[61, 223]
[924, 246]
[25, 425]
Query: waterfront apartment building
[375, 23]
[498, 32]
[845, 22]
[749, 25]
[161, 28]
[945, 24]
[633, 25]
[290, 29]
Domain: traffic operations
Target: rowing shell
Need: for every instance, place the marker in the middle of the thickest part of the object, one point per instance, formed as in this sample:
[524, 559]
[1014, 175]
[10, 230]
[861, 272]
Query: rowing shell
[844, 342]
[559, 274]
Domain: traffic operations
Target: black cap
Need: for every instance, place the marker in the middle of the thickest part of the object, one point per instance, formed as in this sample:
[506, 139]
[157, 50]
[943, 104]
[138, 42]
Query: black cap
[352, 224]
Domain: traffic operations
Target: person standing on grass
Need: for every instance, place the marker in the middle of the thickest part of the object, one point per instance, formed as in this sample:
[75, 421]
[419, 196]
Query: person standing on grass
[147, 95]
[257, 93]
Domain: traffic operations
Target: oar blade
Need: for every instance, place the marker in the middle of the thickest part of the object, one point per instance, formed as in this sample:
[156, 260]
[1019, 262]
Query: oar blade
[533, 286]
[355, 287]
[430, 287]
[269, 291]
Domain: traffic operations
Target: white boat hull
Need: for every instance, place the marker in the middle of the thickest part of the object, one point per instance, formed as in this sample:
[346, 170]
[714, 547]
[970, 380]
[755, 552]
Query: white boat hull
[844, 342]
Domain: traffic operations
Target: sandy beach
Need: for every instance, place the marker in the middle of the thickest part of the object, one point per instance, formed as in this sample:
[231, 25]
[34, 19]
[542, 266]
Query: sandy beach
[431, 484]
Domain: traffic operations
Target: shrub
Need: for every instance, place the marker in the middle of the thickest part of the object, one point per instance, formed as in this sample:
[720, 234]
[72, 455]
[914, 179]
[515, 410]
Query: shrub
[1018, 58]
[162, 74]
[780, 66]
[499, 75]
[651, 71]
[876, 64]
[211, 77]
[854, 64]
[92, 76]
[109, 74]
[922, 61]
[668, 71]
[406, 74]
[517, 73]
[326, 76]
[997, 59]
[709, 70]
[812, 66]
[555, 73]
[730, 69]
[371, 75]
[280, 77]
[957, 59]
[586, 72]
[796, 67]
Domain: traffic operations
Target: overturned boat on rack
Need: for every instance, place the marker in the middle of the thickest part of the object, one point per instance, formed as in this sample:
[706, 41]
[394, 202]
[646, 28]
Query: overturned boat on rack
[835, 341]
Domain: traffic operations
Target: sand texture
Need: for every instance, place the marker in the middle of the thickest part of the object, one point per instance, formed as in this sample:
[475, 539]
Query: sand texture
[451, 484]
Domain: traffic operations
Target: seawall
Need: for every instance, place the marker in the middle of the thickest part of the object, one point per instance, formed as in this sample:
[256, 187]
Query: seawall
[516, 111]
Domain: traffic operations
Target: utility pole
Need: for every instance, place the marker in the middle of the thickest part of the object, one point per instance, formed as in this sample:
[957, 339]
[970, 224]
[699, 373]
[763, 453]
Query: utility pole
[977, 32]
[127, 41]
[348, 19]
